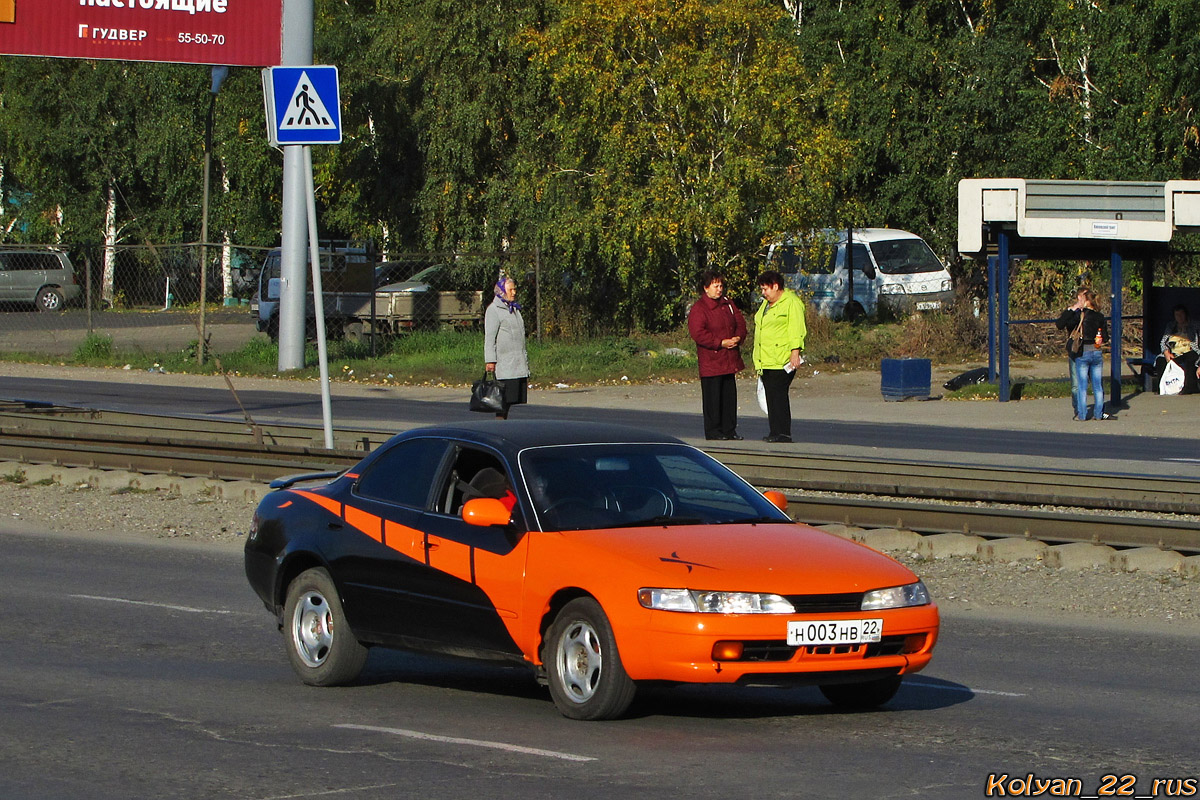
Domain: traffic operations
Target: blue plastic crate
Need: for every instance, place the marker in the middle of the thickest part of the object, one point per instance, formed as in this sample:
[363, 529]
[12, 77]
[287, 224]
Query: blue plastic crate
[902, 378]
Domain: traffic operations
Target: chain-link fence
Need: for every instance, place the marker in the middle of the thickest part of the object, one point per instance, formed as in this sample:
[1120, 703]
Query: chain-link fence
[151, 298]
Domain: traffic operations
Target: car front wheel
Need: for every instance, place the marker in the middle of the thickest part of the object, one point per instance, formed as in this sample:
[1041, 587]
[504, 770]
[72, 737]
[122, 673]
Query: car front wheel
[584, 668]
[861, 696]
[320, 645]
[49, 299]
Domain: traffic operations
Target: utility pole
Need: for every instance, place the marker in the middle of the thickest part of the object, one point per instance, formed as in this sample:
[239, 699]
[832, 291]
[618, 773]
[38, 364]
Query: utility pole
[297, 52]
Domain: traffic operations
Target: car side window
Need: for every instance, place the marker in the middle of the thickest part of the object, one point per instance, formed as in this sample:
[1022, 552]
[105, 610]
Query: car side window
[861, 257]
[404, 474]
[22, 262]
[475, 473]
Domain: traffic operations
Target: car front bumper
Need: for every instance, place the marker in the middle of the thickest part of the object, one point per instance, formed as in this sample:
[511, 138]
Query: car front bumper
[913, 303]
[678, 647]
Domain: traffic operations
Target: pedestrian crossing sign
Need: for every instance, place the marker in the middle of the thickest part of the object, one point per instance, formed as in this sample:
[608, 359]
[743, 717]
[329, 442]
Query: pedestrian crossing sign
[302, 105]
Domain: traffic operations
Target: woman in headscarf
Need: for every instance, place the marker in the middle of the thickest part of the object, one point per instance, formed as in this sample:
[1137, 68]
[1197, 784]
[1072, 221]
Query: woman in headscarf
[504, 344]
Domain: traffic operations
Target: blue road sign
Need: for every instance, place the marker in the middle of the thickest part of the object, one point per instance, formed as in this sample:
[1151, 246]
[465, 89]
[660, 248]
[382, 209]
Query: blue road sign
[302, 105]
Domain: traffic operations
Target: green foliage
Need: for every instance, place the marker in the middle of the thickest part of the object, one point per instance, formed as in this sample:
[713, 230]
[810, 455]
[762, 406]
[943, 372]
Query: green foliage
[635, 142]
[680, 136]
[95, 349]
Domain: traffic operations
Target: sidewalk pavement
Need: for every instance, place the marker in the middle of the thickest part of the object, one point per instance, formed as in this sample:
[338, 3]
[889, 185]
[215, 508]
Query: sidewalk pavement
[817, 395]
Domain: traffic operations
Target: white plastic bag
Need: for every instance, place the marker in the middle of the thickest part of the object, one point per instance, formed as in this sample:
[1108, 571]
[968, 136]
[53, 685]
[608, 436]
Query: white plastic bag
[762, 394]
[1172, 379]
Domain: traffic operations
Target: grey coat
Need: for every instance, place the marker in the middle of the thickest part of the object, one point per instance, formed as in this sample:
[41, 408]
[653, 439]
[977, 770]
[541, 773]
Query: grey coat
[504, 341]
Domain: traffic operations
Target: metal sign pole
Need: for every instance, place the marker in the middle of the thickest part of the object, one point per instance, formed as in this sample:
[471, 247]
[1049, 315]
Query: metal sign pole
[318, 299]
[297, 51]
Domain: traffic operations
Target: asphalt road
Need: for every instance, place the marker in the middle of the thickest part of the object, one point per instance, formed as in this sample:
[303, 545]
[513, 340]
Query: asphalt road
[146, 669]
[383, 409]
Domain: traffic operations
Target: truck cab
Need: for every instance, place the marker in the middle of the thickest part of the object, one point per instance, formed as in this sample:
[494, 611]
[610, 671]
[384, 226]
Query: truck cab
[894, 272]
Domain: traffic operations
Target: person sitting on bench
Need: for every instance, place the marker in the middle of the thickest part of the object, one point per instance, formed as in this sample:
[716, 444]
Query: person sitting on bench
[1181, 343]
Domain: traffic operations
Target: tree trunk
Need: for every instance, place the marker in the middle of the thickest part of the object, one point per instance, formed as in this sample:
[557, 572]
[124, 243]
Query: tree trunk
[110, 241]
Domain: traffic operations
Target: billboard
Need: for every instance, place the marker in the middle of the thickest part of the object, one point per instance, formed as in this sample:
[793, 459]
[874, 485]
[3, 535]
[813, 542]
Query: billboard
[233, 32]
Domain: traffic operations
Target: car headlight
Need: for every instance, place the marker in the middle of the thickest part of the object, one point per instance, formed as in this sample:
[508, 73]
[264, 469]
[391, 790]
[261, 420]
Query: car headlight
[891, 288]
[713, 602]
[912, 594]
[946, 285]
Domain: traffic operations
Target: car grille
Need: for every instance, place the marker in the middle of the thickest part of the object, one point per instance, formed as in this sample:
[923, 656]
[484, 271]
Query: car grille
[825, 603]
[780, 650]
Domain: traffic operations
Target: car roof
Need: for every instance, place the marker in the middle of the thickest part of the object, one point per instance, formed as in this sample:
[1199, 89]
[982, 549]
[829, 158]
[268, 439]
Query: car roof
[512, 436]
[869, 235]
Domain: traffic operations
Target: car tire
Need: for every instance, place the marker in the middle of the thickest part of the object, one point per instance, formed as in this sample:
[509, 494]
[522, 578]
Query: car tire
[854, 312]
[49, 299]
[862, 696]
[587, 680]
[320, 645]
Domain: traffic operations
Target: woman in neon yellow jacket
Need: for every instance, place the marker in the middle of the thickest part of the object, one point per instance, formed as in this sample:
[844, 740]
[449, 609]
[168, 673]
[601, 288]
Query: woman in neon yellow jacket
[779, 332]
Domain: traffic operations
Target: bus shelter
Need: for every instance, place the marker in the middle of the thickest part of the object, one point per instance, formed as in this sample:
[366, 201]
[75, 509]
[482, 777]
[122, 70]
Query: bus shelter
[1004, 220]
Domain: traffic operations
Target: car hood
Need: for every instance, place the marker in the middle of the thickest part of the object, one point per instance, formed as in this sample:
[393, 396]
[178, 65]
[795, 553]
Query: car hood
[404, 286]
[780, 558]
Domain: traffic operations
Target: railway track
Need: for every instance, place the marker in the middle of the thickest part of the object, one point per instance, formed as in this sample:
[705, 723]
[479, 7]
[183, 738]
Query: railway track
[1051, 505]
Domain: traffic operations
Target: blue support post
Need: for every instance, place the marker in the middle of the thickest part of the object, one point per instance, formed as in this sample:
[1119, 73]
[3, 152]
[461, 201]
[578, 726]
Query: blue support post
[1118, 282]
[1148, 353]
[1002, 311]
[991, 317]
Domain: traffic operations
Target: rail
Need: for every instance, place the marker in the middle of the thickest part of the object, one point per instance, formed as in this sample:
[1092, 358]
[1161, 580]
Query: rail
[894, 493]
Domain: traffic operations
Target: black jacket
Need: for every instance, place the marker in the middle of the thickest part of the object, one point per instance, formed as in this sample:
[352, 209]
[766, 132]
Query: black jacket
[1092, 321]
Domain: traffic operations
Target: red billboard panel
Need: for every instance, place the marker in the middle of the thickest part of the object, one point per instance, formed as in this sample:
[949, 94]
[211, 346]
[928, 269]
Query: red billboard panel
[234, 32]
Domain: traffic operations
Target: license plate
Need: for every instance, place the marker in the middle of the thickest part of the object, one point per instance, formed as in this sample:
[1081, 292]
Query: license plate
[834, 632]
[929, 305]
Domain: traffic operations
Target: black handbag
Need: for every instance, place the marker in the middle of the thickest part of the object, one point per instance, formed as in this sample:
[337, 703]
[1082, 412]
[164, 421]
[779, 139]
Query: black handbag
[487, 394]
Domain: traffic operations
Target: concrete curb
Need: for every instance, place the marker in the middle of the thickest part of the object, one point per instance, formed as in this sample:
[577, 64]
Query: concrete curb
[1076, 555]
[117, 480]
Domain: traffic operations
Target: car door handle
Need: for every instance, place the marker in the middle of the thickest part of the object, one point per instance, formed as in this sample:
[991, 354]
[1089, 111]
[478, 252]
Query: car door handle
[335, 526]
[431, 545]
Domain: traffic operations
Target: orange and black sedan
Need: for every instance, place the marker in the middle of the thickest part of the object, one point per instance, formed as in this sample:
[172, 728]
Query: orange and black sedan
[600, 556]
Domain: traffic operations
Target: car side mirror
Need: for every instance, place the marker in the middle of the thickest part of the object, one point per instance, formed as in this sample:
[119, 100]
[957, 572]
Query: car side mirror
[485, 512]
[777, 499]
[868, 269]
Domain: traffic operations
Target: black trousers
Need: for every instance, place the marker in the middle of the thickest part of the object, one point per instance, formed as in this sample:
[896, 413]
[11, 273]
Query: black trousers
[718, 396]
[779, 408]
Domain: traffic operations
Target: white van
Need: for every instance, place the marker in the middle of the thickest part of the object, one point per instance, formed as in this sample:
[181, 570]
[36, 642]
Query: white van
[894, 271]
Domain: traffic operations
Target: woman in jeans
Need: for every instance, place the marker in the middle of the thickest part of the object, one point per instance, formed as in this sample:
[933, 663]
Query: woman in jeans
[1090, 363]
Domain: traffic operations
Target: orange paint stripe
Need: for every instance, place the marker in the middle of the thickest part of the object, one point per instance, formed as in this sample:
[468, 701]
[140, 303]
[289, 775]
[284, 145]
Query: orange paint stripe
[398, 537]
[370, 524]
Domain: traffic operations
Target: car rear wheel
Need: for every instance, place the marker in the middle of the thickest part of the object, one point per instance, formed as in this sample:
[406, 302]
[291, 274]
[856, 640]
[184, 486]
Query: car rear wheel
[320, 645]
[584, 668]
[49, 299]
[861, 696]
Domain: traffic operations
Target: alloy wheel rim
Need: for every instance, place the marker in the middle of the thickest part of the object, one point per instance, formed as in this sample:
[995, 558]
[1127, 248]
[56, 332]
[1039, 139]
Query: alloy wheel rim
[580, 661]
[312, 629]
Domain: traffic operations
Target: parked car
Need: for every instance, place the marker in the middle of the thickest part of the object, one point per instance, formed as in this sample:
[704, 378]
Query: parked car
[597, 555]
[43, 277]
[894, 272]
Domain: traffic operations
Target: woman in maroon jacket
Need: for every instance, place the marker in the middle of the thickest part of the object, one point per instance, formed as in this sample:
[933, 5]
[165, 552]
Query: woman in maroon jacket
[718, 328]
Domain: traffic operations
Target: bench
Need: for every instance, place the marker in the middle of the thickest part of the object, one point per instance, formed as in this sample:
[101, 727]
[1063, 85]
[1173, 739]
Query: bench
[1143, 369]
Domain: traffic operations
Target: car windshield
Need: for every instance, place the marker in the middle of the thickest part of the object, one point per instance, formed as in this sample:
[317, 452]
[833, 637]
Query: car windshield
[581, 487]
[905, 256]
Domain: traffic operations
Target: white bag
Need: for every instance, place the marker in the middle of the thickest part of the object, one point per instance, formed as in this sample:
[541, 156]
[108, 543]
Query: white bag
[762, 394]
[1172, 379]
